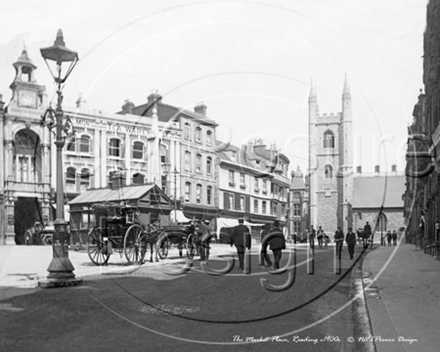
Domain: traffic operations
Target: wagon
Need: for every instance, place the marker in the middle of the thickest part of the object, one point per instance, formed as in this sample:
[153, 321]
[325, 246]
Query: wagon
[182, 237]
[117, 230]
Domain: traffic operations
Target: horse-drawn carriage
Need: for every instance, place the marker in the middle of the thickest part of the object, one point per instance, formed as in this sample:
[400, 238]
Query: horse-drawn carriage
[117, 229]
[182, 237]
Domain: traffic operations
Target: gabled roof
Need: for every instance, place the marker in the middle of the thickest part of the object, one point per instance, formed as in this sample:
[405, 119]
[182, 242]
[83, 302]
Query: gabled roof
[117, 195]
[166, 112]
[244, 157]
[375, 191]
[298, 180]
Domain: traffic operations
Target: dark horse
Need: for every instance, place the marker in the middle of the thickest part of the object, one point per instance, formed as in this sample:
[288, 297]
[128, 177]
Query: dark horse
[152, 237]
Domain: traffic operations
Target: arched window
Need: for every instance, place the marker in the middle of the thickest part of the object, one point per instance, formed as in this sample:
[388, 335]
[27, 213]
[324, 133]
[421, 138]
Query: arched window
[198, 163]
[114, 147]
[138, 150]
[328, 172]
[209, 138]
[71, 179]
[84, 144]
[71, 144]
[187, 131]
[329, 140]
[187, 192]
[187, 161]
[199, 194]
[198, 135]
[84, 180]
[138, 179]
[209, 165]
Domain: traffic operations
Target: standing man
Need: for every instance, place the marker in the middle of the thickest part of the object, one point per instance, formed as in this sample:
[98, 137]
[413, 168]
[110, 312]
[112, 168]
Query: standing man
[339, 242]
[241, 237]
[394, 235]
[350, 239]
[312, 236]
[277, 243]
[320, 236]
[264, 257]
[367, 234]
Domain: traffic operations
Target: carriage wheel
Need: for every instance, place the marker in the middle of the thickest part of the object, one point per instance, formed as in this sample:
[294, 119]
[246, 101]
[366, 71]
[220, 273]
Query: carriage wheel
[135, 244]
[96, 247]
[190, 247]
[162, 247]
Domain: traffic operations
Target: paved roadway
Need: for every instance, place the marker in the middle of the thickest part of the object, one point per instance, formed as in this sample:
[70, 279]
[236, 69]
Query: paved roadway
[158, 309]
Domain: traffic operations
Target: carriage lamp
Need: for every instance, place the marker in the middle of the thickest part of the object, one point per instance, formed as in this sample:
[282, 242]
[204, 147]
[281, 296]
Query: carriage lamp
[56, 57]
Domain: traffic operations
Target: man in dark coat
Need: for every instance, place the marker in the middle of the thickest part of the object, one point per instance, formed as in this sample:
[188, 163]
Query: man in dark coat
[264, 257]
[339, 241]
[350, 239]
[367, 234]
[241, 238]
[277, 243]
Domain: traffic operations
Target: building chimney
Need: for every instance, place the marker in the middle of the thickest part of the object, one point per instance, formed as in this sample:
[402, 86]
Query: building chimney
[359, 169]
[154, 98]
[127, 108]
[200, 108]
[118, 179]
[377, 170]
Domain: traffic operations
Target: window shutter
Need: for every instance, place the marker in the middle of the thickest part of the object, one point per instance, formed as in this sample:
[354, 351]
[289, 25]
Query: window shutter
[237, 202]
[226, 204]
[248, 204]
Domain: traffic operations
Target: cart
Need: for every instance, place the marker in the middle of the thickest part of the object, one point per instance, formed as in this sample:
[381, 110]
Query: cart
[117, 229]
[182, 237]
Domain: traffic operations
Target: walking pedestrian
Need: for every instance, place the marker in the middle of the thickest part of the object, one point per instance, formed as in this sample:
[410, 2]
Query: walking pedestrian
[312, 235]
[350, 239]
[339, 242]
[264, 257]
[389, 237]
[241, 238]
[277, 243]
[394, 237]
[366, 234]
[326, 241]
[320, 236]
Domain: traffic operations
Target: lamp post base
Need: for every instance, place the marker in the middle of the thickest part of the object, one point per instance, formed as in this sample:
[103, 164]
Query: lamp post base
[52, 283]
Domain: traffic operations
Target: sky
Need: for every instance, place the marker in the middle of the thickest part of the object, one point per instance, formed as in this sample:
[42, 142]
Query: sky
[251, 62]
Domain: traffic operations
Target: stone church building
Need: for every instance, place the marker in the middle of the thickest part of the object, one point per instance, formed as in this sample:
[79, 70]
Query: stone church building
[338, 196]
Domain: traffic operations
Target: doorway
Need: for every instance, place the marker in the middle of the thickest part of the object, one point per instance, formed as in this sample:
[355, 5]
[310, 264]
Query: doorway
[26, 212]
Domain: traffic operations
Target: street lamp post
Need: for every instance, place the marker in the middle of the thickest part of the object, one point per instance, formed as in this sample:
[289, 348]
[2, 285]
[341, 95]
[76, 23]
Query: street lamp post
[60, 269]
[167, 170]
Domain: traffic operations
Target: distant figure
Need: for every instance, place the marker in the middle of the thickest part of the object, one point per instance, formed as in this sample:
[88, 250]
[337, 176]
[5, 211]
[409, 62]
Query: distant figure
[367, 234]
[326, 240]
[389, 237]
[320, 236]
[277, 243]
[264, 257]
[312, 235]
[241, 238]
[350, 239]
[394, 237]
[339, 242]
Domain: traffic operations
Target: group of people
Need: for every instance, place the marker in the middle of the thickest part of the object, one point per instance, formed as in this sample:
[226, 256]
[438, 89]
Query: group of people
[271, 237]
[339, 238]
[323, 239]
[391, 237]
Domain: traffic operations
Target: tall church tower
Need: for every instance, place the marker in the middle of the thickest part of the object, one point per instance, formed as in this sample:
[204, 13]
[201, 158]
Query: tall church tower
[330, 164]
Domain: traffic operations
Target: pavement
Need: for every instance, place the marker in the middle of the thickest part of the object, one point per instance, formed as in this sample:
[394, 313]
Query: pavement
[402, 294]
[401, 288]
[25, 266]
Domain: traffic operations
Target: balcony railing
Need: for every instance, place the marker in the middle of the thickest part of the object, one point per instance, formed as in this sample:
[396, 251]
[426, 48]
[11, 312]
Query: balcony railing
[27, 187]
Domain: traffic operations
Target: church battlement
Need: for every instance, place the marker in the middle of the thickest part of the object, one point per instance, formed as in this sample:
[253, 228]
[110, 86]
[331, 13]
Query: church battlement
[330, 116]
